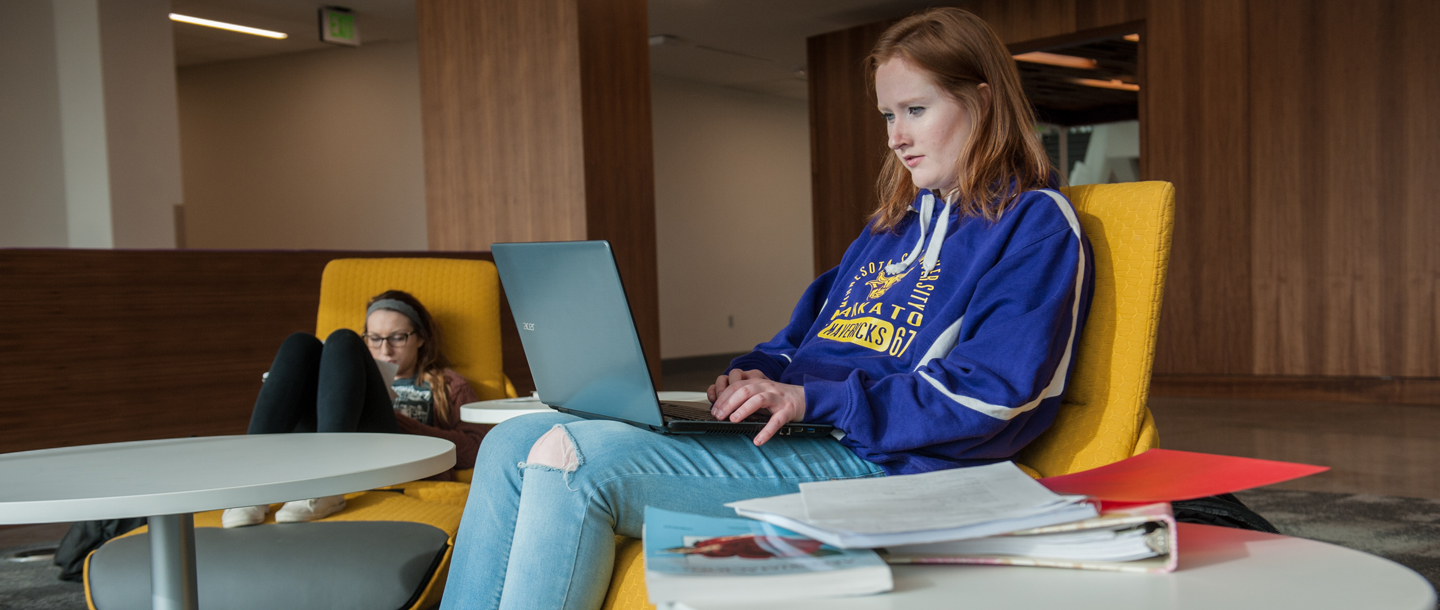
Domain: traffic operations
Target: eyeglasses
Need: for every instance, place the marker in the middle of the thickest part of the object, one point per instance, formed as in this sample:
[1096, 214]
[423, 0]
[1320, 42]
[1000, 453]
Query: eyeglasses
[395, 340]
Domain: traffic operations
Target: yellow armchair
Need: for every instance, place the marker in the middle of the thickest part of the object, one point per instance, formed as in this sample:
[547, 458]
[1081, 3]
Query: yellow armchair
[462, 295]
[1103, 417]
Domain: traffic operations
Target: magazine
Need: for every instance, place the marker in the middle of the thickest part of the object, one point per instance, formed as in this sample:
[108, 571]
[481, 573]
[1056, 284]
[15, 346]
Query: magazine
[699, 559]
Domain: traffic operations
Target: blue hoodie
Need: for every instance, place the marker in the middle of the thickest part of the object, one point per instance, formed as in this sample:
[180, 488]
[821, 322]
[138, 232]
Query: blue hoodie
[946, 342]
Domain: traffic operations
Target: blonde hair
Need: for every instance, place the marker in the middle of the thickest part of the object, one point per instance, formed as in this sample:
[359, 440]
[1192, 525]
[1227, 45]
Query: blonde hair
[1003, 157]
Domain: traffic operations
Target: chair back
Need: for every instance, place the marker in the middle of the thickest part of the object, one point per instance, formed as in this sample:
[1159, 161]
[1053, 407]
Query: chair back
[1103, 417]
[462, 295]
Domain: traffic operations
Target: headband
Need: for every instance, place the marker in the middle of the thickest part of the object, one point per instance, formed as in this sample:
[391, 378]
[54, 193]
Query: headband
[398, 306]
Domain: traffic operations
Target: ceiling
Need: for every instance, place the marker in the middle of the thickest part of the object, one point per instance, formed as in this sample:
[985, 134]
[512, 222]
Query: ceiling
[753, 45]
[1059, 100]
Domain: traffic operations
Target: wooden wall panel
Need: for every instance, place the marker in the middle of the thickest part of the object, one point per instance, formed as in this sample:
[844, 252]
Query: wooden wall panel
[111, 345]
[847, 139]
[619, 160]
[1414, 127]
[1344, 262]
[1018, 21]
[536, 117]
[502, 121]
[1198, 107]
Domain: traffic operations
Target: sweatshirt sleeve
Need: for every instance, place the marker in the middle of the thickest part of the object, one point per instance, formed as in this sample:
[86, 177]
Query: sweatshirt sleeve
[773, 356]
[1007, 369]
[465, 435]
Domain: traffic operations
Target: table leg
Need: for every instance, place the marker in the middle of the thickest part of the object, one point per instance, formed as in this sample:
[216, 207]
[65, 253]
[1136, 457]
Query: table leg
[172, 563]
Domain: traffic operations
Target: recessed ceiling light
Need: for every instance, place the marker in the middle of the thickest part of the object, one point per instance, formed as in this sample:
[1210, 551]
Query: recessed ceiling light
[1064, 61]
[228, 26]
[1106, 84]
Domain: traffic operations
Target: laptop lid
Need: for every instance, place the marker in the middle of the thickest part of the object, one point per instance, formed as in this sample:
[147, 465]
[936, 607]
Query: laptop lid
[575, 323]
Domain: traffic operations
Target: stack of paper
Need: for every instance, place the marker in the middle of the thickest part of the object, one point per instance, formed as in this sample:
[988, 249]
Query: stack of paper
[997, 515]
[933, 507]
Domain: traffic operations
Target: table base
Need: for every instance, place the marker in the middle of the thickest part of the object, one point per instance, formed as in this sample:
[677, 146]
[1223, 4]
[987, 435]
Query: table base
[172, 563]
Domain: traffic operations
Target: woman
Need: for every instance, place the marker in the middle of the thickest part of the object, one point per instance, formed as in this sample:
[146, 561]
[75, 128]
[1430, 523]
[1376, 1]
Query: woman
[336, 386]
[942, 340]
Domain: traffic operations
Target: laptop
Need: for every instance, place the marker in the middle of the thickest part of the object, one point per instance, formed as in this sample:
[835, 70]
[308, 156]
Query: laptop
[579, 336]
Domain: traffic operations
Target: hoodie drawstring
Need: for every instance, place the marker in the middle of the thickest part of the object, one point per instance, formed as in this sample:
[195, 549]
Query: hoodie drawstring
[932, 253]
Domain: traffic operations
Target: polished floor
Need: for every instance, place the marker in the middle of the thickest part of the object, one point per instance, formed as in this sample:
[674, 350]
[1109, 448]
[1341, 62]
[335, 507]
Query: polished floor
[1371, 448]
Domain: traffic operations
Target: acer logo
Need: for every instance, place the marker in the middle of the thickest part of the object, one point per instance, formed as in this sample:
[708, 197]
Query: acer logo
[528, 325]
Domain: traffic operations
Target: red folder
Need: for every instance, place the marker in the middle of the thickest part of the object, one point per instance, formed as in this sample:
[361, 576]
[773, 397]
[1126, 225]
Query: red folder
[1162, 475]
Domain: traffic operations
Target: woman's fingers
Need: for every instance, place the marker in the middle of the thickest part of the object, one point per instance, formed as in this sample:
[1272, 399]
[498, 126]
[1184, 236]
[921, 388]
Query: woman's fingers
[777, 420]
[713, 393]
[756, 401]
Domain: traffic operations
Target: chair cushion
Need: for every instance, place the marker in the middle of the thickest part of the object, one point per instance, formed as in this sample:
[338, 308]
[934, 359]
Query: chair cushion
[352, 565]
[434, 504]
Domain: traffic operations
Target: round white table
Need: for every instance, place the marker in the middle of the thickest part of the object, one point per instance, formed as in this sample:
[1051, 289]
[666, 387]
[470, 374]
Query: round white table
[1219, 568]
[496, 411]
[169, 480]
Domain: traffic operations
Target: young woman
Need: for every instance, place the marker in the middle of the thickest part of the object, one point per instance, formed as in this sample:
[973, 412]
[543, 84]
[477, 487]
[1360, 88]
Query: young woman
[336, 386]
[942, 340]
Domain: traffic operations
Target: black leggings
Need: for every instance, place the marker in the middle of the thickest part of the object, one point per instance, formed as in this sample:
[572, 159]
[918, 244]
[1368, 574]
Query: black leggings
[329, 387]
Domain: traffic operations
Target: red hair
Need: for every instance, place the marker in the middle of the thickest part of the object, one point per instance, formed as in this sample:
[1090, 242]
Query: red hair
[1003, 157]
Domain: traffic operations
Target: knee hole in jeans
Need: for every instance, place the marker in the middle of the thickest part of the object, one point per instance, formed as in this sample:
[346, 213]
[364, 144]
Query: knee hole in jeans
[555, 450]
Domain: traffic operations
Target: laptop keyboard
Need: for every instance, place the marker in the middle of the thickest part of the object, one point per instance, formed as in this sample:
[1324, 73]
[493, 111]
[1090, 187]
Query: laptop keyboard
[693, 413]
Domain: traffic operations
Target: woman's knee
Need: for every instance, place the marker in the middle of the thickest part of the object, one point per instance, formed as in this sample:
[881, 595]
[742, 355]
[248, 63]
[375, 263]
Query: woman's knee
[344, 338]
[300, 343]
[511, 440]
[555, 449]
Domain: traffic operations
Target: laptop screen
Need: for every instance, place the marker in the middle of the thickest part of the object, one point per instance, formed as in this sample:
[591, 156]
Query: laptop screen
[575, 323]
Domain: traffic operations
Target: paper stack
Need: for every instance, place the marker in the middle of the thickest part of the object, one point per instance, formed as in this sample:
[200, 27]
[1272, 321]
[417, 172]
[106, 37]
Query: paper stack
[1116, 517]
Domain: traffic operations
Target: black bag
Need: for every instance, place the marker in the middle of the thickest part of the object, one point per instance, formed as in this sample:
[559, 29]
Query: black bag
[84, 537]
[1224, 510]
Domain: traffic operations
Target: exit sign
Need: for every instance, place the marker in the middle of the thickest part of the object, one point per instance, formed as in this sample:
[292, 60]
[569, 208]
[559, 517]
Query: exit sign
[337, 26]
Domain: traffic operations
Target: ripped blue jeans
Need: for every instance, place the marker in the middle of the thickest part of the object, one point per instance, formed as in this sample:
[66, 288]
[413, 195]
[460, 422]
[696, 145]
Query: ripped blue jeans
[542, 536]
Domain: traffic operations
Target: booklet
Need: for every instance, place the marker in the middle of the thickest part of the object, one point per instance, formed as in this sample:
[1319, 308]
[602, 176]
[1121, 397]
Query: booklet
[698, 559]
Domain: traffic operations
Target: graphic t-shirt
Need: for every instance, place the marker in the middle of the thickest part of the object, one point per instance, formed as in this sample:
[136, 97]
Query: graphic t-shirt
[414, 400]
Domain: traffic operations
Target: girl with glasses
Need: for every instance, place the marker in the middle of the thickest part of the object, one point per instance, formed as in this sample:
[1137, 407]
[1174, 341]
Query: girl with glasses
[337, 386]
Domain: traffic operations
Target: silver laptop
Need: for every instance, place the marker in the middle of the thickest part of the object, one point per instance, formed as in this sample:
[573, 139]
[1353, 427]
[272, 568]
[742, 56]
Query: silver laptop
[580, 339]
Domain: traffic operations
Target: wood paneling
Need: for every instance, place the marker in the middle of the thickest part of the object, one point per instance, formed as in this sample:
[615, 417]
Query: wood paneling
[111, 345]
[619, 162]
[1381, 390]
[1022, 20]
[847, 139]
[537, 128]
[1344, 260]
[501, 113]
[1197, 137]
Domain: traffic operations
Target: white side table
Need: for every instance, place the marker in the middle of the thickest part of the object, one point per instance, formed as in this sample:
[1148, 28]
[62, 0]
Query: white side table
[1219, 568]
[169, 480]
[496, 411]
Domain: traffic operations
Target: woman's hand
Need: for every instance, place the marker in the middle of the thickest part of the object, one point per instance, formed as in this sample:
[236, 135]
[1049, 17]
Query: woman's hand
[724, 381]
[740, 399]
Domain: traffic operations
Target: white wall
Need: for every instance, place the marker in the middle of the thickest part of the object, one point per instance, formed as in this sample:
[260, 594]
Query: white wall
[314, 150]
[142, 127]
[732, 209]
[32, 174]
[89, 144]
